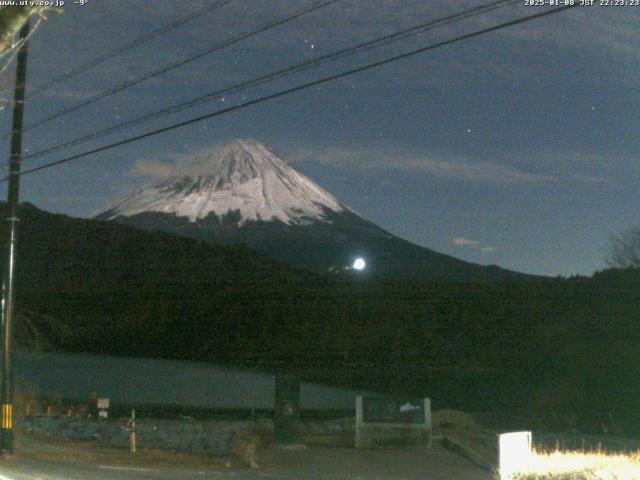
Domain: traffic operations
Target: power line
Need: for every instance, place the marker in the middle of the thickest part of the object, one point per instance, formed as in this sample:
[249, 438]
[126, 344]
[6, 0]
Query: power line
[297, 88]
[173, 66]
[129, 46]
[368, 45]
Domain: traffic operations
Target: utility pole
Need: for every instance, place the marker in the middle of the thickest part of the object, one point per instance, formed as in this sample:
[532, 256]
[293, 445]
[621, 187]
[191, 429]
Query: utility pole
[8, 293]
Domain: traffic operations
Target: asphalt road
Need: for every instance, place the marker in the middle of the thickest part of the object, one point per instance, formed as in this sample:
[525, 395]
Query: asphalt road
[41, 458]
[312, 464]
[40, 470]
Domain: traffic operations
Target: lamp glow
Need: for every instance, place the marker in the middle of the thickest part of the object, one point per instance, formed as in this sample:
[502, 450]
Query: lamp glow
[359, 264]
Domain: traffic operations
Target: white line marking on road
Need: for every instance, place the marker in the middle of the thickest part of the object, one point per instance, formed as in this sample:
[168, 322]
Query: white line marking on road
[116, 467]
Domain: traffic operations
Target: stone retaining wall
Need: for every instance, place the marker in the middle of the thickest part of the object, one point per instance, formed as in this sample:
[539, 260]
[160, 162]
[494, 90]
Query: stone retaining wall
[214, 437]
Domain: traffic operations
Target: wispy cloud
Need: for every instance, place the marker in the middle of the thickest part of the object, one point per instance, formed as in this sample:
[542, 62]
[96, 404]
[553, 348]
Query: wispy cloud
[470, 244]
[441, 165]
[172, 164]
[464, 242]
[152, 169]
[586, 168]
[533, 169]
[466, 169]
[607, 30]
[567, 167]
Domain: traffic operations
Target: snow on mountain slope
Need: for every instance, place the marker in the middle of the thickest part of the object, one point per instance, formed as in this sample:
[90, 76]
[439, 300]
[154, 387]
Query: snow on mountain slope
[242, 176]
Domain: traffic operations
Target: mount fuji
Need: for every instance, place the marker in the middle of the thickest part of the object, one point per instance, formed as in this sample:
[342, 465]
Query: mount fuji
[244, 192]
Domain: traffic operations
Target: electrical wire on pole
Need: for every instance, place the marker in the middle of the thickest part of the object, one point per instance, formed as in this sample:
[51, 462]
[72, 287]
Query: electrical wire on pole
[135, 43]
[294, 69]
[8, 285]
[298, 88]
[219, 46]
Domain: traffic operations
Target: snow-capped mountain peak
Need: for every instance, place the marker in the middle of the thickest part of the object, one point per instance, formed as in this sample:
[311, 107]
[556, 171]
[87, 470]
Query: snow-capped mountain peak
[242, 176]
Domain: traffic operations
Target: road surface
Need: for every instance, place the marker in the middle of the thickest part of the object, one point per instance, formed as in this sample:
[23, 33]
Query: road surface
[275, 464]
[41, 458]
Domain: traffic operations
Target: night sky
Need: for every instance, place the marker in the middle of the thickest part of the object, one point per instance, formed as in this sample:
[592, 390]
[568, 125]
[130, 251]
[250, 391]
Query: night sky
[517, 148]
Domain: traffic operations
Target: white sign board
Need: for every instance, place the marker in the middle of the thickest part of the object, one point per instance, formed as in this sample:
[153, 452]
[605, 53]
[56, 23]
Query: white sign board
[102, 403]
[390, 422]
[514, 452]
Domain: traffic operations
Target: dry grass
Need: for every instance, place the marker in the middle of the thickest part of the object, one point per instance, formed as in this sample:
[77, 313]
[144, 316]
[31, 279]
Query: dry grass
[581, 466]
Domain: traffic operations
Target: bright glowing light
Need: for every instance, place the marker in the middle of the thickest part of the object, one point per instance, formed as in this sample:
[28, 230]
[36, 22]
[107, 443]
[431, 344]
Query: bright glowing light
[582, 464]
[514, 453]
[359, 264]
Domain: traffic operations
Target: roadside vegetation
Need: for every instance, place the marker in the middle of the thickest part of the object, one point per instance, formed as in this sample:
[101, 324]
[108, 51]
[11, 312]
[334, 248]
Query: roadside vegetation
[559, 465]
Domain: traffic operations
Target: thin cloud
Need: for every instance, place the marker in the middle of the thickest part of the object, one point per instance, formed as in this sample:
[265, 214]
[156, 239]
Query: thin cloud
[196, 162]
[586, 30]
[471, 244]
[152, 169]
[439, 165]
[464, 242]
[392, 158]
[465, 169]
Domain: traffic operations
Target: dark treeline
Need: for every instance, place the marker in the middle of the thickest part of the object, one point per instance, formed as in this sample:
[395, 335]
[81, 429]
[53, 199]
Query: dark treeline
[564, 350]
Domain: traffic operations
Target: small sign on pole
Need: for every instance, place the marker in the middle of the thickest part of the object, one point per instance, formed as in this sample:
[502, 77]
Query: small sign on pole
[103, 407]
